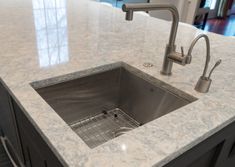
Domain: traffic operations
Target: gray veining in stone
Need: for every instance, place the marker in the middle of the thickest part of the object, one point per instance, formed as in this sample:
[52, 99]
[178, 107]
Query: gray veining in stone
[43, 45]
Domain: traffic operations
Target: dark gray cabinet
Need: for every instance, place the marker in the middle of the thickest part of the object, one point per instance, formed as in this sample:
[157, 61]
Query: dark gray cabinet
[24, 143]
[216, 151]
[8, 127]
[36, 151]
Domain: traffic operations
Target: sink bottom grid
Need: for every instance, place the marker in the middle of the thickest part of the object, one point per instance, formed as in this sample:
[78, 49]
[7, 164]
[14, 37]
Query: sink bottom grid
[98, 129]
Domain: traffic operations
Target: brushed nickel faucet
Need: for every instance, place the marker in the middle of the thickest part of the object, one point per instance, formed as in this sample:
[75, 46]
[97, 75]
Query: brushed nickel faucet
[170, 48]
[171, 56]
[203, 84]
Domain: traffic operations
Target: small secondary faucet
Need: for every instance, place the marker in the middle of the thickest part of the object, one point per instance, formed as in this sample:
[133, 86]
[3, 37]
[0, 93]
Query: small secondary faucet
[203, 84]
[171, 56]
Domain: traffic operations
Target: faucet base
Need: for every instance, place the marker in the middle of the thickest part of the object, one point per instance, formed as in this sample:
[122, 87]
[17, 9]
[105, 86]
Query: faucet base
[203, 84]
[165, 73]
[167, 64]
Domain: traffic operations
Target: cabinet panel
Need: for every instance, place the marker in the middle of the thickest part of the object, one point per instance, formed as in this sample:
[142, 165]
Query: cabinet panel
[207, 159]
[216, 151]
[33, 157]
[7, 122]
[36, 150]
[226, 156]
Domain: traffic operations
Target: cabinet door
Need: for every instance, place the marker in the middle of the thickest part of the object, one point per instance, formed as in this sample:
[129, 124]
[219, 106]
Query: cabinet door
[227, 155]
[36, 151]
[230, 160]
[33, 157]
[216, 151]
[7, 122]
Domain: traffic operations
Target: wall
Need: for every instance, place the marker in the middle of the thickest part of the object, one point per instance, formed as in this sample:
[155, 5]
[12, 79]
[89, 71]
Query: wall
[192, 8]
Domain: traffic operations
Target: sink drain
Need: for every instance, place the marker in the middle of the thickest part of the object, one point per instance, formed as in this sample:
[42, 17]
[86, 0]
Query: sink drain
[148, 65]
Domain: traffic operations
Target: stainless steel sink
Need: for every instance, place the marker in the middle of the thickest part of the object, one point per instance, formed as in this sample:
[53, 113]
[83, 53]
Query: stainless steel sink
[105, 105]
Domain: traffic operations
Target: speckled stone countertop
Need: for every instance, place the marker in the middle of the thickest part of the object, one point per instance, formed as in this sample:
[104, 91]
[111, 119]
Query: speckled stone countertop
[75, 38]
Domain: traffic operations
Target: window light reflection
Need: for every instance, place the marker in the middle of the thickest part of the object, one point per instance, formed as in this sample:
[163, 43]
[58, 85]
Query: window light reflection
[51, 31]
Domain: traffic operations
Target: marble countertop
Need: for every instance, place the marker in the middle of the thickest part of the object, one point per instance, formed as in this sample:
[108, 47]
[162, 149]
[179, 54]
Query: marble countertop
[77, 37]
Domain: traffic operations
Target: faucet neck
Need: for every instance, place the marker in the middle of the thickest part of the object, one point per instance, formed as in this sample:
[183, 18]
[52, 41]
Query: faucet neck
[207, 50]
[130, 8]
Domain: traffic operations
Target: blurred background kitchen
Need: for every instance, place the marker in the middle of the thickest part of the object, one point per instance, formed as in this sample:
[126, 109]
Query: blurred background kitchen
[216, 16]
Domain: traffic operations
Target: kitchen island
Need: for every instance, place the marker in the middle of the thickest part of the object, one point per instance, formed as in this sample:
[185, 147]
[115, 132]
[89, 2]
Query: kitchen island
[84, 37]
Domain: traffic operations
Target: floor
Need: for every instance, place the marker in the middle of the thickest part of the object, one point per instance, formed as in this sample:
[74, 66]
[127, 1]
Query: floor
[222, 26]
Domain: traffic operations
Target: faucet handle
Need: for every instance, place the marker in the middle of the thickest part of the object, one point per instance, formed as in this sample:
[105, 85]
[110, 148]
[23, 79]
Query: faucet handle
[180, 57]
[182, 51]
[204, 83]
[216, 65]
[187, 58]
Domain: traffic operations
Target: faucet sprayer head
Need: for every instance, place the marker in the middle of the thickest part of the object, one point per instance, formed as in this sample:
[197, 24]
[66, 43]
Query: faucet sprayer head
[129, 12]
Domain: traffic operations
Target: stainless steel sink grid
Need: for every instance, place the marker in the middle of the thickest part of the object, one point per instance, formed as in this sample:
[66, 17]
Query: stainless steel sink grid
[98, 129]
[105, 105]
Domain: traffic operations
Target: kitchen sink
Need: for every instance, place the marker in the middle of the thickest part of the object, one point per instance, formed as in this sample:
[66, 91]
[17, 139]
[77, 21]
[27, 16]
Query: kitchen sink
[105, 105]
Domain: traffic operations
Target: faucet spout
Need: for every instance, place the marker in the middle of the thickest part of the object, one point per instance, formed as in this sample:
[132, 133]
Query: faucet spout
[204, 82]
[131, 8]
[207, 50]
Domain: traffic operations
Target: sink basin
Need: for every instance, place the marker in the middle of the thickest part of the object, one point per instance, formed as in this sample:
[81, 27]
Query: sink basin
[105, 105]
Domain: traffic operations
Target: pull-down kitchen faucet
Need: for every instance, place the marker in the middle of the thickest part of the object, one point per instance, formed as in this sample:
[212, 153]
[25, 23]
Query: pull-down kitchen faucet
[171, 56]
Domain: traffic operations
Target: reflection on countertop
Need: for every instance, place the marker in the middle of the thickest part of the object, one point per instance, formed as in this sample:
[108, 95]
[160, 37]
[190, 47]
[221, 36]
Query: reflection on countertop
[51, 31]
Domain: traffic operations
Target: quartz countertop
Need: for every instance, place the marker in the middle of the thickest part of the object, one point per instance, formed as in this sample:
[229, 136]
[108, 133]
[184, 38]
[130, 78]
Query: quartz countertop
[44, 44]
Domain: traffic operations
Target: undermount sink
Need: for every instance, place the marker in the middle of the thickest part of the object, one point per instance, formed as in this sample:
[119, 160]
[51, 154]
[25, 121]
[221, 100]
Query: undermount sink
[105, 105]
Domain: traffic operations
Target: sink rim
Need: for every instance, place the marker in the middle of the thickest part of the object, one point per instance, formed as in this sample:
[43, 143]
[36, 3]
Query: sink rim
[107, 67]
